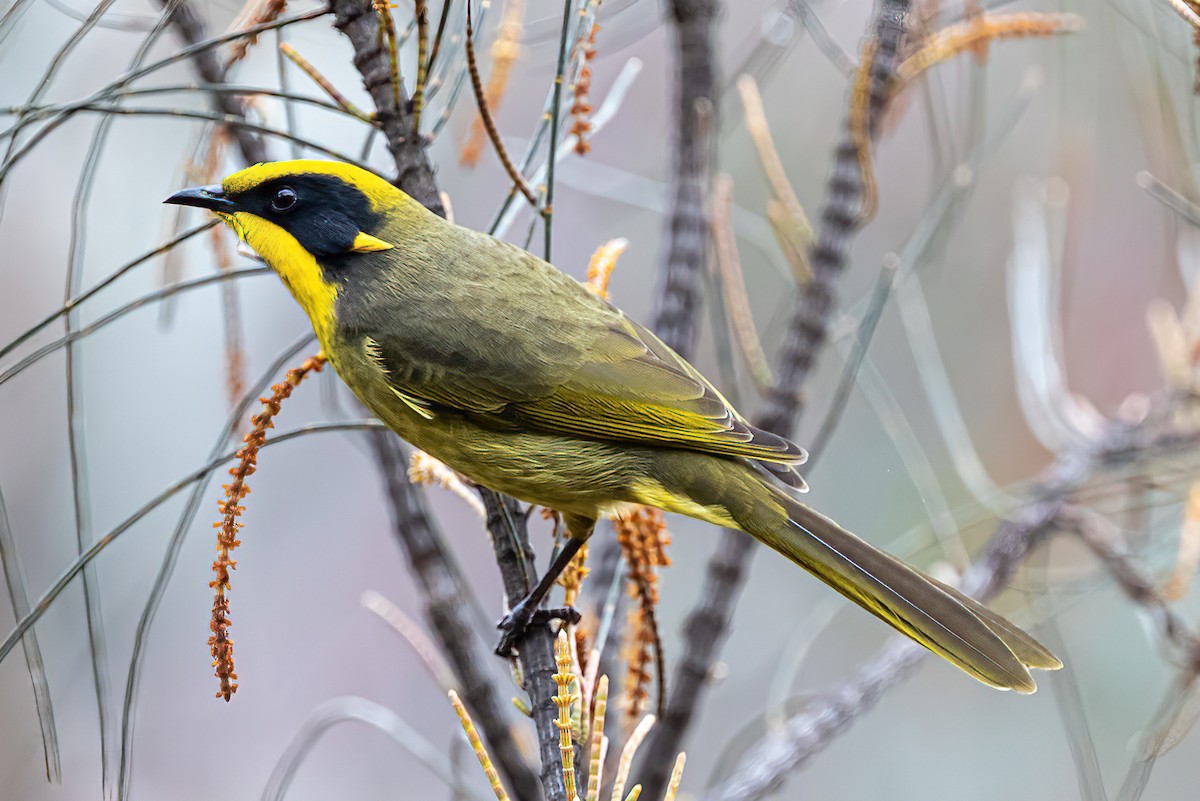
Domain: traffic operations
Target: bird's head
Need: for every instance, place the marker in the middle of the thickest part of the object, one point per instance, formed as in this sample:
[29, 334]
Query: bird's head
[306, 219]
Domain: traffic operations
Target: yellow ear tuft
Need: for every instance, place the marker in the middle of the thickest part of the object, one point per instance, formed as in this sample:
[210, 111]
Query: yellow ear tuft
[365, 243]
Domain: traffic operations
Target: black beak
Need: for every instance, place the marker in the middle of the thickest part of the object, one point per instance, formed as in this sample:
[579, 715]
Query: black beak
[203, 197]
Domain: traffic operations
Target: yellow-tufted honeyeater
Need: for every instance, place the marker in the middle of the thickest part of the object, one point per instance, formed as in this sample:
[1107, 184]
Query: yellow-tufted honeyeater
[523, 380]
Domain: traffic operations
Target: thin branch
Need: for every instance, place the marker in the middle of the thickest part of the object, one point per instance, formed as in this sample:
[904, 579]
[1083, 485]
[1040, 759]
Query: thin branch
[46, 601]
[489, 123]
[555, 114]
[281, 71]
[14, 581]
[862, 340]
[437, 38]
[345, 708]
[116, 314]
[76, 440]
[507, 521]
[100, 108]
[418, 99]
[124, 80]
[180, 88]
[320, 80]
[121, 271]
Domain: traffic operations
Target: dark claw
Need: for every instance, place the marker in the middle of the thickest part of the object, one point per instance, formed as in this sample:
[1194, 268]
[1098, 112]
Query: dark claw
[517, 622]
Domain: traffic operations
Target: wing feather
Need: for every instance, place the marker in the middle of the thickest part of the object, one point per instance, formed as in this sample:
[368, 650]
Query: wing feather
[623, 385]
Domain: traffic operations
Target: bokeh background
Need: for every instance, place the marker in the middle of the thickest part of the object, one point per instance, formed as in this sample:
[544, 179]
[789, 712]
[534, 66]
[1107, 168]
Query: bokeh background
[1058, 128]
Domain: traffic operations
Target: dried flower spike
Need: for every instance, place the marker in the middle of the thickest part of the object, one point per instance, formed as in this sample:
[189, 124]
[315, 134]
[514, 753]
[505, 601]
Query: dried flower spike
[601, 265]
[595, 750]
[975, 33]
[676, 777]
[571, 579]
[642, 535]
[481, 753]
[219, 643]
[788, 220]
[1188, 558]
[253, 14]
[581, 126]
[563, 700]
[430, 471]
[627, 754]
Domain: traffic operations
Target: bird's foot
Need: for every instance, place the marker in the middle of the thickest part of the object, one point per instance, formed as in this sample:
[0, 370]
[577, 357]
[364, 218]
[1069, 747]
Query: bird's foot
[522, 616]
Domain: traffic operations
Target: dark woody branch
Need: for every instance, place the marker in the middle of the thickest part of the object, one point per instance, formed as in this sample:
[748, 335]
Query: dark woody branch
[357, 20]
[706, 627]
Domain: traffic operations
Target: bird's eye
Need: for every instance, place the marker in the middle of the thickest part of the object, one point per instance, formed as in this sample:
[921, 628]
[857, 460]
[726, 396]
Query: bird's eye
[284, 200]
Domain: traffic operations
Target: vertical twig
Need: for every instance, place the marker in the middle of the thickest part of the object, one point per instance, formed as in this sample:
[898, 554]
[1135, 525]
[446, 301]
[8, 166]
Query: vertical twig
[507, 521]
[555, 113]
[418, 99]
[691, 179]
[14, 580]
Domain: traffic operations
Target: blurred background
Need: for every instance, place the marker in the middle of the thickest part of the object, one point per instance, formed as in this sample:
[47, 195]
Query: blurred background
[1035, 198]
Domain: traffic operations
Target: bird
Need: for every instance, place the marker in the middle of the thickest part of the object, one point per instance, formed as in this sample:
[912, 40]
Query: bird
[526, 382]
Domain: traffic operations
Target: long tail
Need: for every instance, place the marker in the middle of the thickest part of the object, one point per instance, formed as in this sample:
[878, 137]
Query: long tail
[939, 617]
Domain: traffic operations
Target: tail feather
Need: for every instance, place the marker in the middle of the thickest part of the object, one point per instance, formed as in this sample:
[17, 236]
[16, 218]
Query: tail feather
[1027, 649]
[937, 616]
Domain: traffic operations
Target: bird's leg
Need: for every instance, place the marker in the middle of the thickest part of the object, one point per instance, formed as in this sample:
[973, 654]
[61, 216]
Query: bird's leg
[526, 612]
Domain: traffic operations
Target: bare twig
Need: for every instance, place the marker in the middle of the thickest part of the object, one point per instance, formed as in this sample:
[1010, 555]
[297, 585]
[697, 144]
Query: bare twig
[555, 115]
[119, 312]
[14, 581]
[489, 124]
[510, 540]
[77, 450]
[414, 635]
[418, 100]
[320, 80]
[505, 51]
[348, 708]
